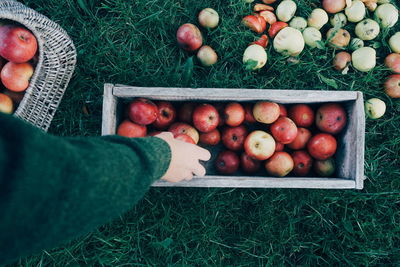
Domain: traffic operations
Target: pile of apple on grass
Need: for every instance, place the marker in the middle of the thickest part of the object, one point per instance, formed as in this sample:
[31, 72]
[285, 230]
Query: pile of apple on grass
[258, 138]
[18, 58]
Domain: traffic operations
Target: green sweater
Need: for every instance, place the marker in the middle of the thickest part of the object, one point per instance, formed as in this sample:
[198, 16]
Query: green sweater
[53, 189]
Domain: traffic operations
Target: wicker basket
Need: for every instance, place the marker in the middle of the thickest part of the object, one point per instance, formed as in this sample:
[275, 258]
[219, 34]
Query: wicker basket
[57, 59]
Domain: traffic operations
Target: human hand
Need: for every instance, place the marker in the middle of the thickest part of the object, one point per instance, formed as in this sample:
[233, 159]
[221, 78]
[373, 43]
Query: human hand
[184, 159]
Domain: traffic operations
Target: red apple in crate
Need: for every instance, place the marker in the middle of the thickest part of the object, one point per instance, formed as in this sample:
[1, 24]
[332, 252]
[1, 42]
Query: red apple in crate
[248, 115]
[185, 138]
[248, 164]
[233, 137]
[220, 108]
[227, 162]
[322, 146]
[142, 111]
[16, 76]
[392, 61]
[6, 104]
[282, 111]
[266, 112]
[184, 128]
[189, 37]
[280, 164]
[392, 86]
[302, 115]
[302, 163]
[284, 130]
[301, 140]
[324, 168]
[205, 118]
[259, 145]
[166, 115]
[16, 97]
[131, 129]
[234, 114]
[211, 138]
[279, 147]
[186, 112]
[331, 118]
[17, 44]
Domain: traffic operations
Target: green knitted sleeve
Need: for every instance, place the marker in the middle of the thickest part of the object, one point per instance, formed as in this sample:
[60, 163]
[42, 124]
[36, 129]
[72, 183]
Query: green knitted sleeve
[53, 189]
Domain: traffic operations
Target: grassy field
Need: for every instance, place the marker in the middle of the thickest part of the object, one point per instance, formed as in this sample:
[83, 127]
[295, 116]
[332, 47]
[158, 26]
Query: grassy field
[133, 42]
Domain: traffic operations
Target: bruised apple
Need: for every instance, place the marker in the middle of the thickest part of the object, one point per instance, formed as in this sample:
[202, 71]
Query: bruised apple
[280, 164]
[331, 118]
[338, 38]
[131, 129]
[227, 162]
[367, 29]
[284, 130]
[189, 37]
[248, 164]
[234, 114]
[302, 163]
[322, 146]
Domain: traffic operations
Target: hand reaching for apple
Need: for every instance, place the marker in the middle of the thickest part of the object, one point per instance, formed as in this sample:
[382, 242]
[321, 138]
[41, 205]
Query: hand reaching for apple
[184, 159]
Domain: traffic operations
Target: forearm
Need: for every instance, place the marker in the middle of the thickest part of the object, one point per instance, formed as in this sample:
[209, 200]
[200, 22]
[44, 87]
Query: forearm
[53, 189]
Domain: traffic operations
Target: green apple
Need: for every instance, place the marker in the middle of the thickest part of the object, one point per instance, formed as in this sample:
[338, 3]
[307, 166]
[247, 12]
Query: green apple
[367, 29]
[286, 10]
[364, 59]
[311, 36]
[318, 18]
[375, 108]
[387, 15]
[394, 42]
[298, 23]
[356, 12]
[254, 57]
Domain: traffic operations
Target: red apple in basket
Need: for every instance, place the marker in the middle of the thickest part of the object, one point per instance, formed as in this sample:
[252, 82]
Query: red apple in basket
[302, 163]
[16, 76]
[248, 164]
[185, 138]
[211, 138]
[280, 164]
[184, 128]
[17, 44]
[322, 146]
[248, 115]
[266, 112]
[166, 115]
[234, 114]
[259, 145]
[142, 111]
[6, 104]
[284, 130]
[227, 162]
[186, 112]
[189, 37]
[301, 140]
[205, 118]
[331, 118]
[233, 137]
[302, 115]
[131, 129]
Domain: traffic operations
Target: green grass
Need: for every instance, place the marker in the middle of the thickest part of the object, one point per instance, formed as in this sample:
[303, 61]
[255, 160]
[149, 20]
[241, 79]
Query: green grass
[133, 42]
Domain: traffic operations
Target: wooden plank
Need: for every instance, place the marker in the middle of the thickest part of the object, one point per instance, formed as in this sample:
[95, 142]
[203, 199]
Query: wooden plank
[215, 94]
[360, 136]
[109, 122]
[252, 182]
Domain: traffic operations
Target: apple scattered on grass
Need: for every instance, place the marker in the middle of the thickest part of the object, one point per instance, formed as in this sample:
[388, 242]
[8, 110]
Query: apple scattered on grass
[394, 42]
[318, 18]
[289, 42]
[276, 27]
[207, 56]
[333, 6]
[387, 15]
[364, 59]
[341, 60]
[312, 36]
[356, 43]
[392, 61]
[189, 37]
[286, 10]
[338, 38]
[254, 57]
[338, 20]
[367, 29]
[375, 108]
[208, 18]
[298, 23]
[356, 12]
[392, 86]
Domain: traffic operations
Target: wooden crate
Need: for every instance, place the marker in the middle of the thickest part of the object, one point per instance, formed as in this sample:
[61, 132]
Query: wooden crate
[349, 155]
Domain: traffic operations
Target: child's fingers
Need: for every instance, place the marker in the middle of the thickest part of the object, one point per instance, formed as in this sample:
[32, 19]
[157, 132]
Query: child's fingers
[203, 154]
[199, 170]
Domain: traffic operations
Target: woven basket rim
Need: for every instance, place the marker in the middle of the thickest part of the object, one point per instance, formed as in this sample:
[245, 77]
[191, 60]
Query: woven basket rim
[39, 64]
